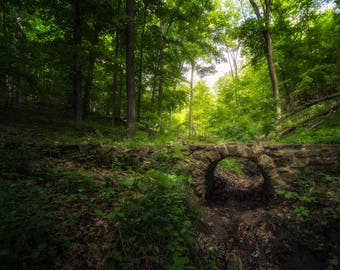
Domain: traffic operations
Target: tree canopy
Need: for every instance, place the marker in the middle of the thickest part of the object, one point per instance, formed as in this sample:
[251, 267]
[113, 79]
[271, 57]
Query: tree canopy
[128, 60]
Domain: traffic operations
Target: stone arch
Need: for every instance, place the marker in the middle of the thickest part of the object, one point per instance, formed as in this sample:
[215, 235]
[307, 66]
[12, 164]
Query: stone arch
[280, 165]
[204, 160]
[210, 174]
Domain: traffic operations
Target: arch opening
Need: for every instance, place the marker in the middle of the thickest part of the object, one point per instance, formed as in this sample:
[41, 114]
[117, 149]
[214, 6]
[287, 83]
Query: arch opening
[231, 180]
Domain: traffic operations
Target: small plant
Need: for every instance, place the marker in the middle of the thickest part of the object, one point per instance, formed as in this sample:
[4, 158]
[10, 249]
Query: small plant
[156, 227]
[317, 216]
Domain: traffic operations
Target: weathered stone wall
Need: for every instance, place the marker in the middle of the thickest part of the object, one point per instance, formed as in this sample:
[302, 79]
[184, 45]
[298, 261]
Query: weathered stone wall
[281, 165]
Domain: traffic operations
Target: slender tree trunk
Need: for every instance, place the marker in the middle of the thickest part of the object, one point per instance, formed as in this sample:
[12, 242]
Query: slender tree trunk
[77, 62]
[4, 76]
[272, 72]
[191, 100]
[21, 89]
[265, 18]
[233, 66]
[120, 99]
[89, 78]
[130, 69]
[160, 65]
[234, 54]
[115, 81]
[115, 74]
[88, 86]
[160, 91]
[230, 64]
[153, 90]
[286, 90]
[140, 69]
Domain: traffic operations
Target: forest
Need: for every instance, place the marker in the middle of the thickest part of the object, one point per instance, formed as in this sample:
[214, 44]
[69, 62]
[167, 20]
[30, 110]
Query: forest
[116, 114]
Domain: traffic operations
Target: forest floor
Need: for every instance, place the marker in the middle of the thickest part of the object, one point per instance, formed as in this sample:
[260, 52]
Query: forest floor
[73, 212]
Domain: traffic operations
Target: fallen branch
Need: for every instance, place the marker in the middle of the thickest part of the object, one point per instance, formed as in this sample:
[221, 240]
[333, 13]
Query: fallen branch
[309, 119]
[307, 105]
[322, 120]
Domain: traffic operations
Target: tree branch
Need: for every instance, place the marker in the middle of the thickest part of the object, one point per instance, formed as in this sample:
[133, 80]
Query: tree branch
[309, 119]
[307, 105]
[256, 9]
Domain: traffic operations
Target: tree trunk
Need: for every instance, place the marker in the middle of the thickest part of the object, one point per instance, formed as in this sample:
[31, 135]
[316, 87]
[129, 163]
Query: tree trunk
[21, 89]
[4, 76]
[130, 69]
[140, 69]
[115, 85]
[159, 68]
[191, 100]
[77, 62]
[265, 18]
[272, 72]
[89, 78]
[120, 99]
[160, 91]
[230, 63]
[115, 74]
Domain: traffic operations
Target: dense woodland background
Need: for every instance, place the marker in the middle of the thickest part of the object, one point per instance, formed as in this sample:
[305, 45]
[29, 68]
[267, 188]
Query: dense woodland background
[85, 83]
[143, 63]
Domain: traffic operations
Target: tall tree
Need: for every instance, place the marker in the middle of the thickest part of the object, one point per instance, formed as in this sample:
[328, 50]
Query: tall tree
[191, 99]
[91, 61]
[264, 19]
[130, 69]
[114, 112]
[77, 62]
[21, 63]
[140, 64]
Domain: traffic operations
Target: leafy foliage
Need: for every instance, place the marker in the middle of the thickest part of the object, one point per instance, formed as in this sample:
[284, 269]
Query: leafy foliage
[230, 164]
[156, 223]
[315, 204]
[45, 208]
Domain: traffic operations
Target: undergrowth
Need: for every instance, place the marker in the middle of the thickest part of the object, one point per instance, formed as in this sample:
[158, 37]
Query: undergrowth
[231, 164]
[315, 204]
[48, 208]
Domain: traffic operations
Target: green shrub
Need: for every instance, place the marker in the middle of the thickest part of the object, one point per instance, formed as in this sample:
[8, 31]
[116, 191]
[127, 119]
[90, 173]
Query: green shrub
[156, 225]
[316, 226]
[232, 165]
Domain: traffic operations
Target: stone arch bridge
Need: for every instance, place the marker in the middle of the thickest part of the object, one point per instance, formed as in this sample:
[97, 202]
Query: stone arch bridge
[280, 165]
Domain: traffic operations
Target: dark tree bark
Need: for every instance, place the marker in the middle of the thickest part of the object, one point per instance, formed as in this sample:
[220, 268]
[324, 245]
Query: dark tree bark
[115, 83]
[120, 99]
[114, 112]
[160, 92]
[130, 69]
[269, 49]
[77, 62]
[89, 78]
[140, 69]
[160, 66]
[4, 88]
[21, 88]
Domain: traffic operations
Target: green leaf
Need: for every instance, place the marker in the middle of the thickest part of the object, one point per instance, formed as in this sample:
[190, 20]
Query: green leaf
[301, 211]
[334, 261]
[128, 181]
